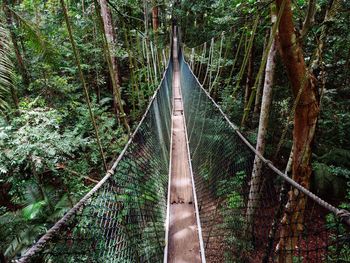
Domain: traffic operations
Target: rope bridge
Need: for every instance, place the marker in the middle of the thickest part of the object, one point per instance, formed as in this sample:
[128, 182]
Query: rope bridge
[124, 217]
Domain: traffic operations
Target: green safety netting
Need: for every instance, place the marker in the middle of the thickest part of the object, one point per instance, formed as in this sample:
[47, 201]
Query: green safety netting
[242, 220]
[123, 219]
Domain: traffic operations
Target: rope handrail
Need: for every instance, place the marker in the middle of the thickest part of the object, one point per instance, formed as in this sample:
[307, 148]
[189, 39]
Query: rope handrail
[38, 246]
[343, 214]
[122, 218]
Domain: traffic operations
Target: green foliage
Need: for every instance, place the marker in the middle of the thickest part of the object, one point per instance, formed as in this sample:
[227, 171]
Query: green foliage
[20, 229]
[49, 157]
[330, 181]
[235, 200]
[36, 39]
[34, 141]
[43, 149]
[48, 147]
[6, 68]
[341, 253]
[336, 156]
[33, 210]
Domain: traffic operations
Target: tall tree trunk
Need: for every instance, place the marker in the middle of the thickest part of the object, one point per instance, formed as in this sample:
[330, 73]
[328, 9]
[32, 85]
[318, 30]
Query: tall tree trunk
[258, 88]
[20, 62]
[256, 181]
[111, 39]
[155, 18]
[155, 26]
[305, 119]
[97, 86]
[106, 26]
[145, 16]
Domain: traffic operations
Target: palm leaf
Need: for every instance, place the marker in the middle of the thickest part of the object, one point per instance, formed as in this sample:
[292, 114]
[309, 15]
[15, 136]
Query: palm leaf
[6, 68]
[40, 43]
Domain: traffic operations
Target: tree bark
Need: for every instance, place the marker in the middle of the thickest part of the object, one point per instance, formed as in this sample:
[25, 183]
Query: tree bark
[155, 17]
[111, 39]
[258, 88]
[305, 119]
[255, 183]
[106, 26]
[82, 79]
[20, 62]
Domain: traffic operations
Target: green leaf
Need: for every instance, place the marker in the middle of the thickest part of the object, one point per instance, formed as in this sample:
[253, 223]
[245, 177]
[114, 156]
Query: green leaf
[32, 210]
[6, 68]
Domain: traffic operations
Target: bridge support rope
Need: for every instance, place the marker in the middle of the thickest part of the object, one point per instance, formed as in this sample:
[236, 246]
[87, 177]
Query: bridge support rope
[222, 159]
[122, 218]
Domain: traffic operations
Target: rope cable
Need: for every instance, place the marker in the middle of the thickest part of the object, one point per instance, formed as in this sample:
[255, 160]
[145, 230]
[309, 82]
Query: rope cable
[201, 59]
[341, 213]
[60, 224]
[245, 59]
[209, 60]
[122, 218]
[211, 64]
[235, 59]
[219, 60]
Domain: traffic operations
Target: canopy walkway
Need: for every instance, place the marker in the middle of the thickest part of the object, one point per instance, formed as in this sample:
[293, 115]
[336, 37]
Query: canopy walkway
[180, 192]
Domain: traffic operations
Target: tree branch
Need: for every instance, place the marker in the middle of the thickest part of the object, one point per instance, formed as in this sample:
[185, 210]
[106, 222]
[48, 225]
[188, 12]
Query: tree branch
[309, 19]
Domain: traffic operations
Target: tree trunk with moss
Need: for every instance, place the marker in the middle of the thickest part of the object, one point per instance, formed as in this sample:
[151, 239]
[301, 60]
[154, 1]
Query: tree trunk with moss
[305, 119]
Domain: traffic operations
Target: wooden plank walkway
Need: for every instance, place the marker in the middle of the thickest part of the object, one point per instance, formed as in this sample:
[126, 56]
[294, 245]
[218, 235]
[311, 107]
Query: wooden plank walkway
[183, 239]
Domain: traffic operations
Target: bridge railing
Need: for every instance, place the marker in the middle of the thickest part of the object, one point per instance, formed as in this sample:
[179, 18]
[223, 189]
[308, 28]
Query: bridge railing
[122, 218]
[242, 222]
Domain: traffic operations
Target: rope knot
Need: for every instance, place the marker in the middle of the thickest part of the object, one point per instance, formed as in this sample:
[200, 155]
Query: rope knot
[110, 171]
[344, 216]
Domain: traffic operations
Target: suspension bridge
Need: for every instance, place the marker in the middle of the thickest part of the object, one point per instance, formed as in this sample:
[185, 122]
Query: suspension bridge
[180, 192]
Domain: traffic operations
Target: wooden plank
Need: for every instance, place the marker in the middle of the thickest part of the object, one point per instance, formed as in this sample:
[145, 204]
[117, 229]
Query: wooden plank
[183, 240]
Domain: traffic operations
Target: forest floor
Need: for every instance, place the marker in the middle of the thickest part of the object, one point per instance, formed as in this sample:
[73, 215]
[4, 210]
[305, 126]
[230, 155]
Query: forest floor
[183, 231]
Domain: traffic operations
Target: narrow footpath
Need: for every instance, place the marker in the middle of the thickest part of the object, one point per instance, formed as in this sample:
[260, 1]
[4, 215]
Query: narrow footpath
[183, 240]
